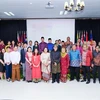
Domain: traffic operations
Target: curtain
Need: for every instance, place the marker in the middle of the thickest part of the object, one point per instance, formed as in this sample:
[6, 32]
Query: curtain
[88, 25]
[9, 29]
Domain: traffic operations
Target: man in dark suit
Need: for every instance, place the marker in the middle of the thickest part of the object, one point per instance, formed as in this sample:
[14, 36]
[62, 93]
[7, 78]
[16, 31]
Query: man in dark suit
[23, 53]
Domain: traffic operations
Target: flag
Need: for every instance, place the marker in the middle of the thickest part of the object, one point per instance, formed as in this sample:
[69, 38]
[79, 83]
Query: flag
[91, 37]
[25, 37]
[20, 36]
[77, 35]
[82, 38]
[17, 36]
[86, 36]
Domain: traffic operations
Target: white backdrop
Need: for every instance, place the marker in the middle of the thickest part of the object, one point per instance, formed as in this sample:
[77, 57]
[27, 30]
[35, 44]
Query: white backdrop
[50, 28]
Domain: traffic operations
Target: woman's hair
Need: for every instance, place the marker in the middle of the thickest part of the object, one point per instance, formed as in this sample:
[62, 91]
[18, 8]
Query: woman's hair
[35, 42]
[46, 48]
[28, 48]
[37, 50]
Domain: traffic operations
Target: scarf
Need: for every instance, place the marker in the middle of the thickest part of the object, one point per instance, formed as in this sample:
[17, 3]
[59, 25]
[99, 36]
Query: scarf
[63, 54]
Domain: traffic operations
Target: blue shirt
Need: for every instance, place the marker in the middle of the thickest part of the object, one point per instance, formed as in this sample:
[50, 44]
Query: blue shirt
[75, 58]
[50, 46]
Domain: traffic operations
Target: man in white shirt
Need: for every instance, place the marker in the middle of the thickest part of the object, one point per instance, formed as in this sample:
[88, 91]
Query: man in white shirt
[15, 59]
[8, 63]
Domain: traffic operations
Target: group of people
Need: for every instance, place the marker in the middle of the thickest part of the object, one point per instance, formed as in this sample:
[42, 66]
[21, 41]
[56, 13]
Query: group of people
[45, 61]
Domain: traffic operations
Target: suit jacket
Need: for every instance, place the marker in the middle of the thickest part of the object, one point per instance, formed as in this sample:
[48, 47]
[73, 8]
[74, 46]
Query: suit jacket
[23, 53]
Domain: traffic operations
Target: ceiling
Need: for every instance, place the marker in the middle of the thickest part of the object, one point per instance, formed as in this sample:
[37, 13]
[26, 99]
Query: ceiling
[23, 9]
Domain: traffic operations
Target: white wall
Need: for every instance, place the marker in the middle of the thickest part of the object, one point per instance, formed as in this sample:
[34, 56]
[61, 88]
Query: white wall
[50, 28]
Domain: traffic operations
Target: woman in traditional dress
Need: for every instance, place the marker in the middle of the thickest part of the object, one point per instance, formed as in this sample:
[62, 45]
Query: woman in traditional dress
[1, 65]
[4, 69]
[86, 63]
[29, 65]
[64, 65]
[45, 59]
[55, 62]
[78, 47]
[36, 70]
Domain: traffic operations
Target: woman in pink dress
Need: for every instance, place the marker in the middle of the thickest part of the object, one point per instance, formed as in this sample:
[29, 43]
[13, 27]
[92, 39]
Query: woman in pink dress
[64, 65]
[36, 70]
[79, 47]
[29, 65]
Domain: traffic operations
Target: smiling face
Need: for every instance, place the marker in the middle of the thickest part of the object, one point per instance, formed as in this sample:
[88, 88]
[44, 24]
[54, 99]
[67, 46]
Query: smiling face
[36, 51]
[55, 48]
[15, 48]
[84, 47]
[29, 50]
[74, 47]
[45, 50]
[63, 50]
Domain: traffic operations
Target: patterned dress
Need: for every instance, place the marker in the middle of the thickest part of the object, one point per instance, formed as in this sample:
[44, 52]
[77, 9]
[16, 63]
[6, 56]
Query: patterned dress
[64, 67]
[45, 59]
[28, 66]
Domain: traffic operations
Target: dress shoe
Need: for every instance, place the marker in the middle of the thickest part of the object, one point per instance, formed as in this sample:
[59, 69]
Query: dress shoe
[94, 81]
[58, 82]
[71, 79]
[53, 82]
[24, 79]
[83, 80]
[78, 80]
[87, 82]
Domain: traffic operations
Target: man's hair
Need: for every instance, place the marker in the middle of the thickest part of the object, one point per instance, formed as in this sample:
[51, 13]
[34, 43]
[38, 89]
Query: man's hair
[30, 41]
[42, 37]
[49, 39]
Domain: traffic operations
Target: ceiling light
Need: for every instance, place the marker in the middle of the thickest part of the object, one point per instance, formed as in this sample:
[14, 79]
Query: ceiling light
[30, 3]
[74, 5]
[11, 14]
[61, 12]
[65, 13]
[7, 13]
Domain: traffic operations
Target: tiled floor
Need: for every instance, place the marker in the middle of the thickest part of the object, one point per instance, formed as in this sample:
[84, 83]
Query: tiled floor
[48, 91]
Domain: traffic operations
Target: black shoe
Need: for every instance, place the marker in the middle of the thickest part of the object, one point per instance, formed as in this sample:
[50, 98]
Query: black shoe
[58, 82]
[94, 81]
[24, 79]
[53, 81]
[78, 80]
[87, 82]
[71, 79]
[83, 80]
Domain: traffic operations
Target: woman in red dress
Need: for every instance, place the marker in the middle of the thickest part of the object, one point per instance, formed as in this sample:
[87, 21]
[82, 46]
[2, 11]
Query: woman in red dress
[36, 70]
[64, 65]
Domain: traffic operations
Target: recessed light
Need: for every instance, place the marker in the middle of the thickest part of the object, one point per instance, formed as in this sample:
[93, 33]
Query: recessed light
[61, 12]
[7, 13]
[11, 13]
[65, 13]
[30, 3]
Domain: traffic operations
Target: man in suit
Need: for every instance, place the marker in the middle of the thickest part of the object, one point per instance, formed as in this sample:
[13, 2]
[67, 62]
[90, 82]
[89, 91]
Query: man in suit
[23, 53]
